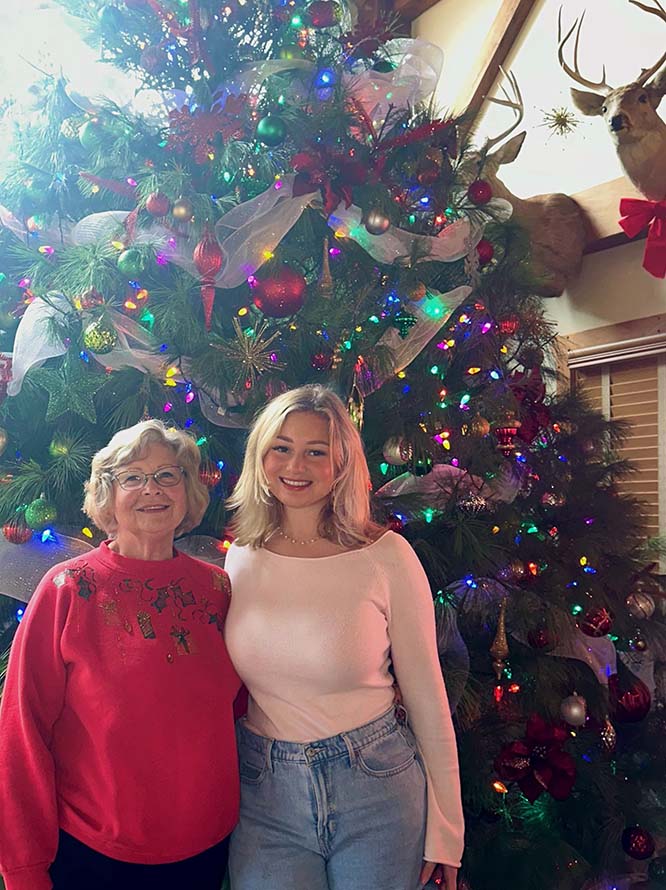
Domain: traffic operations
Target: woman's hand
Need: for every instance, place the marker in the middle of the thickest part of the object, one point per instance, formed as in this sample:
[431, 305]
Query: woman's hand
[445, 876]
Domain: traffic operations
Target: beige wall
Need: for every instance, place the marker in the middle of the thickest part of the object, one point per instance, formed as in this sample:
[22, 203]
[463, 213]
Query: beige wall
[613, 287]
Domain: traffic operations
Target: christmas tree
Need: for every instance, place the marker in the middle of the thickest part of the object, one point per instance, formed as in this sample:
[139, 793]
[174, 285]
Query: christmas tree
[281, 205]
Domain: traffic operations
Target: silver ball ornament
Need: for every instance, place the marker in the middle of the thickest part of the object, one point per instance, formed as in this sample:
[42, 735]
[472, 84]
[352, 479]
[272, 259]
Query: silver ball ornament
[376, 222]
[573, 710]
[640, 605]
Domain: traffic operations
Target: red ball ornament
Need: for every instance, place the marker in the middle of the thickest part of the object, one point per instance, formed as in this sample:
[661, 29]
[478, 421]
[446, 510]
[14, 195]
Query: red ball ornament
[321, 361]
[597, 622]
[396, 524]
[208, 258]
[210, 474]
[17, 532]
[281, 295]
[485, 251]
[637, 842]
[153, 60]
[630, 703]
[480, 192]
[323, 13]
[158, 204]
[542, 638]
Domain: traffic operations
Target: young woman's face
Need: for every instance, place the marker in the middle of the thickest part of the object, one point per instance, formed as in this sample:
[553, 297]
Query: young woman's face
[298, 463]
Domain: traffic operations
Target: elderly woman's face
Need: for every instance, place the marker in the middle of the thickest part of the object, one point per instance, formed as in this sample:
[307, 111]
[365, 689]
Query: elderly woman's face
[153, 509]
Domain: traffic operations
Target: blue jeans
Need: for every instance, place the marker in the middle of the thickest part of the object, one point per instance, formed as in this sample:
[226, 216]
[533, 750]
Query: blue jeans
[343, 813]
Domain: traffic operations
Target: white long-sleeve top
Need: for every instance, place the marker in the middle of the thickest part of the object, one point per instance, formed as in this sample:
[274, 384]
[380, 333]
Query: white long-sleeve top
[313, 638]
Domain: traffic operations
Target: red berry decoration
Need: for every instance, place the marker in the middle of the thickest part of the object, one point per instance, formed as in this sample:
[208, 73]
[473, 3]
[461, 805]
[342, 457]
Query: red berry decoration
[479, 192]
[210, 474]
[158, 204]
[321, 361]
[597, 622]
[485, 251]
[17, 532]
[637, 842]
[281, 295]
[323, 13]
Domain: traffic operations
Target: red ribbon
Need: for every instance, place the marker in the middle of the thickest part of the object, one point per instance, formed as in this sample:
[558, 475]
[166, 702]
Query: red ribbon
[636, 215]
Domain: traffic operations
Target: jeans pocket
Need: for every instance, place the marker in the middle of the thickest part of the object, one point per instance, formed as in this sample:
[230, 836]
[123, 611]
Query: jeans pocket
[252, 765]
[386, 756]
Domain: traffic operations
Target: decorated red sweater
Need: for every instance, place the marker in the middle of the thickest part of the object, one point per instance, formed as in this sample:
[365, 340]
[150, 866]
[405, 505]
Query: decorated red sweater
[116, 722]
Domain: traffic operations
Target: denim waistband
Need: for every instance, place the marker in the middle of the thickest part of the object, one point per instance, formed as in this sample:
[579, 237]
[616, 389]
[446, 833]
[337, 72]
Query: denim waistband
[343, 744]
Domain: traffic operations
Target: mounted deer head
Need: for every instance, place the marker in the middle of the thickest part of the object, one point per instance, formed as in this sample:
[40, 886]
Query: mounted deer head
[630, 112]
[554, 222]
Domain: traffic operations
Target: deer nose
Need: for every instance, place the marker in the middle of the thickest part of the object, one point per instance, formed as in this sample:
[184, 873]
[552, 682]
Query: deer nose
[617, 122]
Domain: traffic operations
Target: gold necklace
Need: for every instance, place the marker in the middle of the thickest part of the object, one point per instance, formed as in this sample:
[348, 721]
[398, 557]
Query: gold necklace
[295, 540]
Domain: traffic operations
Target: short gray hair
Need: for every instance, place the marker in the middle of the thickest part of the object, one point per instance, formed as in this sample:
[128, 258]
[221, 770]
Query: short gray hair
[128, 445]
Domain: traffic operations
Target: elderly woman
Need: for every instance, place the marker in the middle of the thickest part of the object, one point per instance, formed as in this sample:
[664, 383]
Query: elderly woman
[118, 765]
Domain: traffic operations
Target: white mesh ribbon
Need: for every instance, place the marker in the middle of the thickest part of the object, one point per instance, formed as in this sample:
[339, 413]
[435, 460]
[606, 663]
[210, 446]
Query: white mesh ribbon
[453, 243]
[22, 568]
[418, 65]
[35, 340]
[11, 223]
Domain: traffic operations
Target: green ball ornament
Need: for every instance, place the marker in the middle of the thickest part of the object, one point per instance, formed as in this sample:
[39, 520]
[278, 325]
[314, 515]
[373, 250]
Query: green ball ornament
[271, 130]
[110, 18]
[131, 262]
[39, 514]
[91, 134]
[99, 338]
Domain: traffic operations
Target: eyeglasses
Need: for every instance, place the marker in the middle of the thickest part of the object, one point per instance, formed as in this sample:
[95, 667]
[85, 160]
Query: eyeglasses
[166, 477]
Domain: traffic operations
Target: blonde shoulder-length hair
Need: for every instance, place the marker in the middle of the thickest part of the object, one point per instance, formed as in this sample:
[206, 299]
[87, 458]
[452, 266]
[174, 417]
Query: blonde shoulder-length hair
[134, 443]
[346, 518]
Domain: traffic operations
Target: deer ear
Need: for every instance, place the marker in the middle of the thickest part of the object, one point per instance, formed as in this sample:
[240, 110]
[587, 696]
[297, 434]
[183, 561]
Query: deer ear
[657, 88]
[588, 103]
[508, 152]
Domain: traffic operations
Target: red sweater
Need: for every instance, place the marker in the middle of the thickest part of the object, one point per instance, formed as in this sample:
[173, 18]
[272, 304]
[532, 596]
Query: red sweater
[116, 722]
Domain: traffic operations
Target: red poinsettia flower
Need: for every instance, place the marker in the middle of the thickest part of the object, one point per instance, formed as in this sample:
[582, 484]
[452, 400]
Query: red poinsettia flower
[538, 763]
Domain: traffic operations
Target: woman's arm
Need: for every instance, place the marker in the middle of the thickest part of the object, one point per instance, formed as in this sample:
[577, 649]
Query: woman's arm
[416, 663]
[32, 699]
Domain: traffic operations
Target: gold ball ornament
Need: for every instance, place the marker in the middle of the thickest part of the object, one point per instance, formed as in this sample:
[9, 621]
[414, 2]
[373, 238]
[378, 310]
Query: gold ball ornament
[99, 337]
[182, 210]
[4, 438]
[416, 292]
[573, 710]
[479, 426]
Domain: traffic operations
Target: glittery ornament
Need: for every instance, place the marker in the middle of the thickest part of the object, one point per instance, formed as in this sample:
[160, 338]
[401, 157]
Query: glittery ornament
[91, 298]
[514, 571]
[182, 210]
[640, 605]
[325, 280]
[637, 842]
[281, 295]
[4, 438]
[480, 192]
[397, 451]
[573, 710]
[157, 204]
[485, 251]
[404, 322]
[499, 649]
[597, 622]
[552, 500]
[69, 129]
[100, 337]
[505, 431]
[131, 262]
[208, 257]
[323, 13]
[471, 503]
[210, 474]
[271, 130]
[40, 513]
[376, 222]
[608, 737]
[508, 325]
[479, 426]
[321, 361]
[16, 532]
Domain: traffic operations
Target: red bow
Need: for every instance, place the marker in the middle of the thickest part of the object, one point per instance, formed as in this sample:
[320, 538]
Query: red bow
[636, 214]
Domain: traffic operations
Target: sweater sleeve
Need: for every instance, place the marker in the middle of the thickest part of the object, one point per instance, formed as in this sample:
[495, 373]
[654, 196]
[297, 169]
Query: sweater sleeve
[416, 663]
[32, 700]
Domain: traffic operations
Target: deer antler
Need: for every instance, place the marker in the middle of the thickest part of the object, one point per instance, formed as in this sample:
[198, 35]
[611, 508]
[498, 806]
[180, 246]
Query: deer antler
[574, 73]
[660, 12]
[514, 101]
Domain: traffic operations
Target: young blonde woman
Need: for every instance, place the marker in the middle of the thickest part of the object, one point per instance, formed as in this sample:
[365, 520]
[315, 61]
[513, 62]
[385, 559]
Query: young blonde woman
[336, 794]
